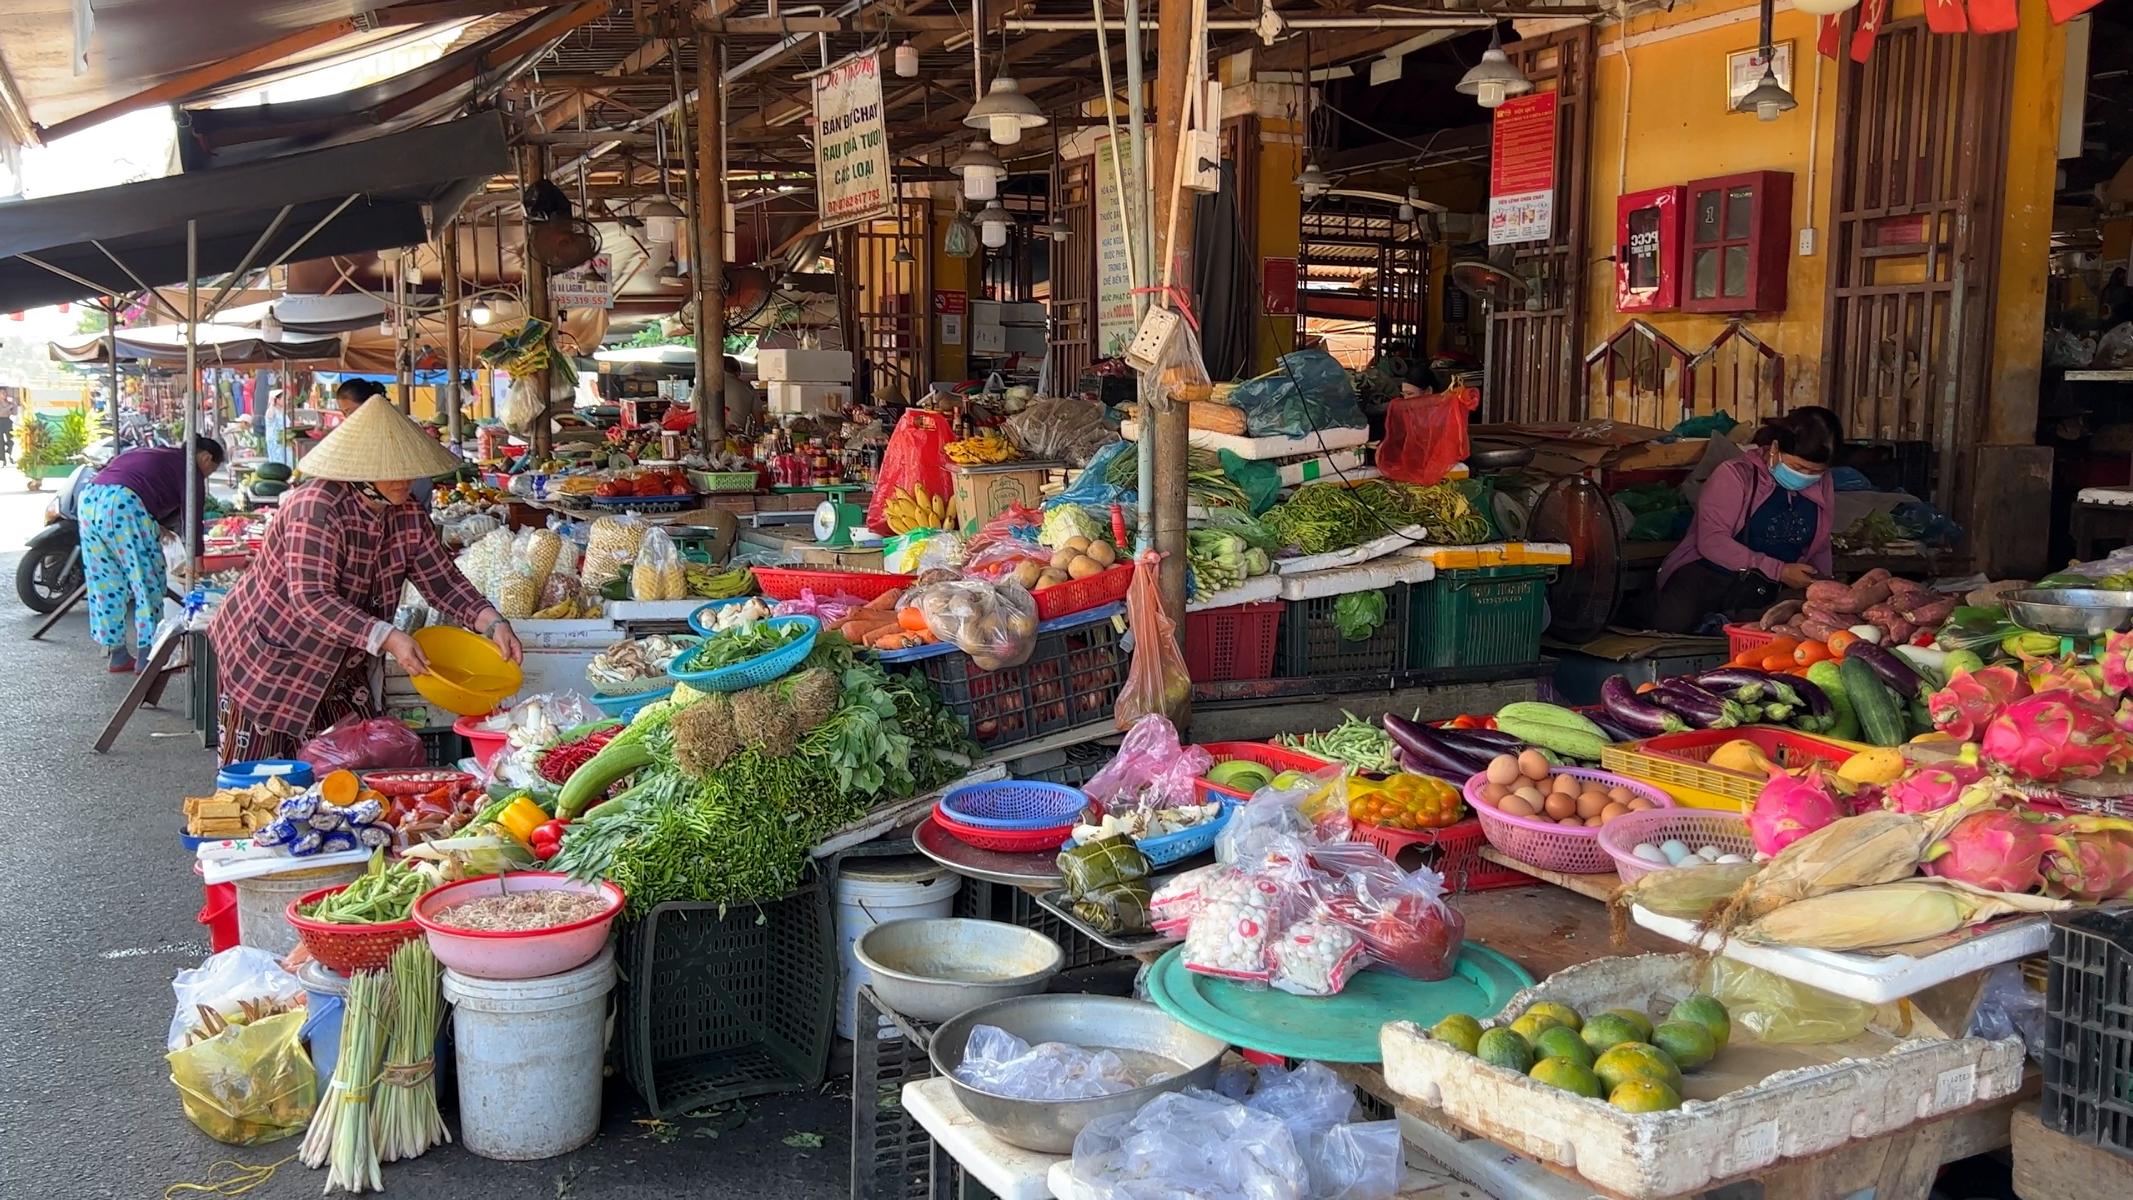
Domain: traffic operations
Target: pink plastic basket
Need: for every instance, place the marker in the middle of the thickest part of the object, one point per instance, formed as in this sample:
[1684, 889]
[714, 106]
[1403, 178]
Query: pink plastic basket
[1545, 844]
[1696, 826]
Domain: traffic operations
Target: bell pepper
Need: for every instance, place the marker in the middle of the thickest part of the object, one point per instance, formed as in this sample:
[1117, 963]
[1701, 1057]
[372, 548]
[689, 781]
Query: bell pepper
[520, 818]
[547, 839]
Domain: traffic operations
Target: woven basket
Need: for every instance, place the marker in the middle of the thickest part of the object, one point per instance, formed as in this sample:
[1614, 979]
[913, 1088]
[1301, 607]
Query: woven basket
[346, 949]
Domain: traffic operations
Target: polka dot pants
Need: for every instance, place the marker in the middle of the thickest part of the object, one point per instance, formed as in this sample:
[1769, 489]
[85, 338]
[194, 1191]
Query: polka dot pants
[122, 562]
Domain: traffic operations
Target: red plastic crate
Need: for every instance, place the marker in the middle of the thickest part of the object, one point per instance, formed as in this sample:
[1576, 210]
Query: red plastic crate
[1237, 642]
[1278, 758]
[1079, 595]
[1453, 852]
[1740, 638]
[786, 583]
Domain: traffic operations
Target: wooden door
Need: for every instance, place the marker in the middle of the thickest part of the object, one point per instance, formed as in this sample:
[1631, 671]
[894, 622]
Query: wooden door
[894, 300]
[1921, 149]
[1073, 274]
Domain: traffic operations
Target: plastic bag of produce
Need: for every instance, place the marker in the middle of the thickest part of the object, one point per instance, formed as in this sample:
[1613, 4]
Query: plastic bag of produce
[1239, 915]
[1280, 821]
[250, 1083]
[1425, 436]
[1310, 390]
[1314, 957]
[610, 545]
[1190, 1143]
[368, 744]
[485, 562]
[1067, 428]
[1399, 917]
[914, 466]
[1156, 681]
[657, 573]
[1774, 1009]
[994, 623]
[1151, 769]
[229, 983]
[921, 550]
[997, 1062]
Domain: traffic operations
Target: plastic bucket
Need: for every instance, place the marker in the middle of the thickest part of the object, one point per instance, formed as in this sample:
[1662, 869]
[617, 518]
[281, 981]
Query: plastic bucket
[874, 892]
[293, 771]
[528, 1055]
[263, 901]
[218, 911]
[324, 1005]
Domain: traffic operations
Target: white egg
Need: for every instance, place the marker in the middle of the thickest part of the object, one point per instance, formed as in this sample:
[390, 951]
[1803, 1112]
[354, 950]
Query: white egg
[1729, 858]
[1648, 852]
[1707, 853]
[1674, 849]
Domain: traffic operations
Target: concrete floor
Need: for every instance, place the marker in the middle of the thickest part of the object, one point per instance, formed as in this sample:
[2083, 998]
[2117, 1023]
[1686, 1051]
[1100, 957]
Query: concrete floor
[99, 903]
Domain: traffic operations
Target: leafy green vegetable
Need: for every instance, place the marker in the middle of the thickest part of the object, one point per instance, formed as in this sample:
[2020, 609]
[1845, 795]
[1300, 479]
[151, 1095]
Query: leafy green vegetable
[1358, 614]
[730, 647]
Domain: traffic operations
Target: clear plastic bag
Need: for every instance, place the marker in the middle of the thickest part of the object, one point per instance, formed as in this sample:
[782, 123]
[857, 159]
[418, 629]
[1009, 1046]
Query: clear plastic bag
[915, 462]
[2009, 1007]
[611, 545]
[1400, 917]
[1001, 1064]
[1156, 680]
[1314, 957]
[657, 573]
[1425, 436]
[1771, 1008]
[1189, 1144]
[1283, 821]
[225, 982]
[367, 744]
[1003, 558]
[994, 623]
[248, 1084]
[1150, 770]
[921, 550]
[522, 405]
[485, 562]
[1238, 917]
[1066, 428]
[1353, 1162]
[1307, 1098]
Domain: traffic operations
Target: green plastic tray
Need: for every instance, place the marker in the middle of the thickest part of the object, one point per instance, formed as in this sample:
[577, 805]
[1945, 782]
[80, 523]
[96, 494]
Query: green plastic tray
[1341, 1028]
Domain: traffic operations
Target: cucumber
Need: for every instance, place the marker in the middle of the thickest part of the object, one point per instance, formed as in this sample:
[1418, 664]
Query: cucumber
[1880, 713]
[1825, 675]
[1552, 727]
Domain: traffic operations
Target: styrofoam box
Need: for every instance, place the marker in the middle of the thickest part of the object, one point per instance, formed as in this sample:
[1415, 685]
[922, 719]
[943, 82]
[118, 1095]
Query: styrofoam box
[1025, 339]
[805, 366]
[1361, 577]
[791, 399]
[1313, 443]
[1791, 1114]
[1022, 312]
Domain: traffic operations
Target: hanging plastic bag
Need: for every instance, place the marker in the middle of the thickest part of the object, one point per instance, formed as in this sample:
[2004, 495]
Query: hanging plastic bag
[1156, 681]
[1771, 1008]
[250, 1083]
[228, 982]
[1151, 769]
[611, 545]
[522, 405]
[367, 744]
[657, 573]
[1425, 436]
[913, 466]
[994, 623]
[1308, 391]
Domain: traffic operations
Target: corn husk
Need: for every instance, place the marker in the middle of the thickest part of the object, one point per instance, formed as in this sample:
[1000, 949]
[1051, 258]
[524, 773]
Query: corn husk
[1855, 852]
[1684, 893]
[1888, 914]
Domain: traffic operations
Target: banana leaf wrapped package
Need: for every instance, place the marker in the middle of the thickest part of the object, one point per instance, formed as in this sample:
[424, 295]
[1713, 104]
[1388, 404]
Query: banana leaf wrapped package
[1105, 862]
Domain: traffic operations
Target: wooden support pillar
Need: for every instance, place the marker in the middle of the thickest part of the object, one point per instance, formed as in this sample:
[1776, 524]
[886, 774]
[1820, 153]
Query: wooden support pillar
[448, 396]
[1173, 48]
[707, 224]
[532, 166]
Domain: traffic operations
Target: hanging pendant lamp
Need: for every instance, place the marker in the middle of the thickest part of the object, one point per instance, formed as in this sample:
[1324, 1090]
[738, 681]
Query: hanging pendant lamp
[1495, 78]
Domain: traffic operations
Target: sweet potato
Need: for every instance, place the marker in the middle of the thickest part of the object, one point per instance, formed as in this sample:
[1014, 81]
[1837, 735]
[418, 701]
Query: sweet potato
[1831, 596]
[1818, 630]
[1930, 613]
[1779, 613]
[1870, 594]
[1901, 588]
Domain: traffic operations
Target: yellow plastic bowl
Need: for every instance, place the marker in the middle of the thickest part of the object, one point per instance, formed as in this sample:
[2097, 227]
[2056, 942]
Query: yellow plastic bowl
[468, 674]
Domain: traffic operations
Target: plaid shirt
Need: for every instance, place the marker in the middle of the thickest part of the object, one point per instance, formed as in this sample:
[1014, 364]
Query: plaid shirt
[331, 566]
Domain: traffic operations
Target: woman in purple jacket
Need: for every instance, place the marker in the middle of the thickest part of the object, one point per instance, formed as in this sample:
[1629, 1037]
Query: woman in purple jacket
[1762, 525]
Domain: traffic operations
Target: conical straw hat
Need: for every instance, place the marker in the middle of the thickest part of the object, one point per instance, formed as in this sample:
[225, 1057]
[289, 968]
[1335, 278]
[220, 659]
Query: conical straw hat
[378, 443]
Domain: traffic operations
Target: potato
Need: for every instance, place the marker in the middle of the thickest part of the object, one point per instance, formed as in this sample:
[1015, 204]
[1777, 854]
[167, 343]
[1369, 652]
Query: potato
[1076, 544]
[1028, 573]
[1102, 553]
[1083, 566]
[1051, 577]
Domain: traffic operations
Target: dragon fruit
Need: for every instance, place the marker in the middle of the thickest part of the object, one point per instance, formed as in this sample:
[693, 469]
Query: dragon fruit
[2064, 674]
[2117, 662]
[1931, 788]
[1973, 698]
[1789, 808]
[1998, 849]
[2089, 858]
[2051, 736]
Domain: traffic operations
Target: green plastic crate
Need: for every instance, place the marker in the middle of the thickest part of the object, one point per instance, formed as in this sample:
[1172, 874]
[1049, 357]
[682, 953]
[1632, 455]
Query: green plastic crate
[1478, 617]
[1311, 642]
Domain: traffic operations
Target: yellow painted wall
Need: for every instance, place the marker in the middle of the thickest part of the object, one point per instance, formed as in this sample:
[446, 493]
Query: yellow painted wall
[950, 274]
[1279, 229]
[1659, 117]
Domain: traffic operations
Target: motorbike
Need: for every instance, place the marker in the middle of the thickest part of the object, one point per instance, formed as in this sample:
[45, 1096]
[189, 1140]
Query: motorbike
[51, 569]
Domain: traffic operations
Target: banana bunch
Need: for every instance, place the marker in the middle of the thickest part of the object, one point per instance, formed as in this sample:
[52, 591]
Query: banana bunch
[987, 447]
[915, 509]
[709, 583]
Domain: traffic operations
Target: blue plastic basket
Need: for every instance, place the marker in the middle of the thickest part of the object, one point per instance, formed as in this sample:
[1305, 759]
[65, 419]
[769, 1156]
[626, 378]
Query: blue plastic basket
[1179, 846]
[700, 620]
[757, 671]
[629, 706]
[293, 771]
[1014, 804]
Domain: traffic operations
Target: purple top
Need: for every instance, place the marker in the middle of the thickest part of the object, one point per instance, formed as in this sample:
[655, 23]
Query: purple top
[157, 475]
[1729, 496]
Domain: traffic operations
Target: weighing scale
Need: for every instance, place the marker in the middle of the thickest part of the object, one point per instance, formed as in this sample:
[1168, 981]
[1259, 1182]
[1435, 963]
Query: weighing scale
[840, 523]
[2076, 616]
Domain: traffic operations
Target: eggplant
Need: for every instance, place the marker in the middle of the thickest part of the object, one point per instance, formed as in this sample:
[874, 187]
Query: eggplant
[1815, 715]
[1747, 684]
[1634, 713]
[1615, 730]
[1777, 714]
[1698, 706]
[1430, 753]
[1491, 742]
[1887, 667]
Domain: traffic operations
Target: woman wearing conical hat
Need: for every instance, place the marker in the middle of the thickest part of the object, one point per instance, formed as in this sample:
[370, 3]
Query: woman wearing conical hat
[293, 642]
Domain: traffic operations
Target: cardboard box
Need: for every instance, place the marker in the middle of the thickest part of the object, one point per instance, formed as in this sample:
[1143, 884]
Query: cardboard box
[803, 366]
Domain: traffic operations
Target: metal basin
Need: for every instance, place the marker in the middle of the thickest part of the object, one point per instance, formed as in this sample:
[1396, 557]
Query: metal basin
[931, 968]
[2070, 612]
[1138, 1028]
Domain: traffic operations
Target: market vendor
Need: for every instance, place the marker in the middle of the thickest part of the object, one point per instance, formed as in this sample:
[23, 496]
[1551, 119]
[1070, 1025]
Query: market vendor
[124, 511]
[354, 394]
[1762, 526]
[295, 638]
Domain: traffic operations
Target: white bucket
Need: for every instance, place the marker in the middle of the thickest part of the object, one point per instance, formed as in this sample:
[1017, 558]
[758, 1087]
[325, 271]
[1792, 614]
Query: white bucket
[529, 1053]
[873, 892]
[263, 902]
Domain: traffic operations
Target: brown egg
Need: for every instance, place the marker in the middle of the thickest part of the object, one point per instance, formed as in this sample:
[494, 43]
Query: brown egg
[1618, 792]
[1533, 765]
[1494, 792]
[1590, 805]
[1559, 806]
[1597, 794]
[1572, 822]
[1503, 770]
[1565, 784]
[1533, 796]
[1640, 803]
[1516, 806]
[1615, 808]
[1594, 822]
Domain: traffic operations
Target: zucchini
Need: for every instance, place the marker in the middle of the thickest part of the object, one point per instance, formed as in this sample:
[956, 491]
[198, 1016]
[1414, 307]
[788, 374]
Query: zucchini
[1553, 727]
[1880, 713]
[1844, 723]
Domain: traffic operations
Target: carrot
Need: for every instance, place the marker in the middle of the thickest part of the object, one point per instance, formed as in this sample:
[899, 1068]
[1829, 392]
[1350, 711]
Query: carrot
[1787, 644]
[1810, 653]
[1780, 660]
[1647, 685]
[1840, 642]
[886, 602]
[911, 618]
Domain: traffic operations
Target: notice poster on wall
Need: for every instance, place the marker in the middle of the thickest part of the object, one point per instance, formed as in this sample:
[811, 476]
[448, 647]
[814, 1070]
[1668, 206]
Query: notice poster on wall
[852, 143]
[1522, 170]
[1114, 273]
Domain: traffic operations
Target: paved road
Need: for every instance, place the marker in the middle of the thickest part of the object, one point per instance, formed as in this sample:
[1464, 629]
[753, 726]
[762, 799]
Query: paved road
[97, 907]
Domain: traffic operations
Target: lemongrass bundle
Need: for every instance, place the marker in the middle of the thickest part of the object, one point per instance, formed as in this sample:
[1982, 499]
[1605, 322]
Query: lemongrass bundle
[340, 1135]
[407, 1122]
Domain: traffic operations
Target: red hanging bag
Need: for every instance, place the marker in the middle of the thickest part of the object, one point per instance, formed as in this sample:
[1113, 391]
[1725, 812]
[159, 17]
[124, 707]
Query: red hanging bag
[1425, 436]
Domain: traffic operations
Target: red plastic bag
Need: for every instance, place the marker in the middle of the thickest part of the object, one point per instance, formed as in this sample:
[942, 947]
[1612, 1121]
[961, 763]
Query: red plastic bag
[366, 745]
[1156, 681]
[916, 458]
[1400, 917]
[1425, 436]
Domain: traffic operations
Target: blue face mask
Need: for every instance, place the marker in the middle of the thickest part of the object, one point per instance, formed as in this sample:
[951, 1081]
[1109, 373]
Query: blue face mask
[1791, 480]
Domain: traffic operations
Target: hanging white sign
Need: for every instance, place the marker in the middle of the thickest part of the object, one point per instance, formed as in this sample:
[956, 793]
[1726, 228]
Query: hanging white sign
[588, 286]
[852, 143]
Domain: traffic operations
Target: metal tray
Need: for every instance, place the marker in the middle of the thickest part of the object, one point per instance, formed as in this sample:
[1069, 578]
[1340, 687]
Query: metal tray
[1038, 870]
[1129, 944]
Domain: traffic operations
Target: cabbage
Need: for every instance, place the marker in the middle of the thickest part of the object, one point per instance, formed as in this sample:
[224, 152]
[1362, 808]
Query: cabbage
[1072, 520]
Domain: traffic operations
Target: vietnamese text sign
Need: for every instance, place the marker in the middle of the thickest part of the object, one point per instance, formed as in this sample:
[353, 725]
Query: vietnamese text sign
[852, 143]
[1114, 264]
[950, 308]
[1522, 170]
[586, 286]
